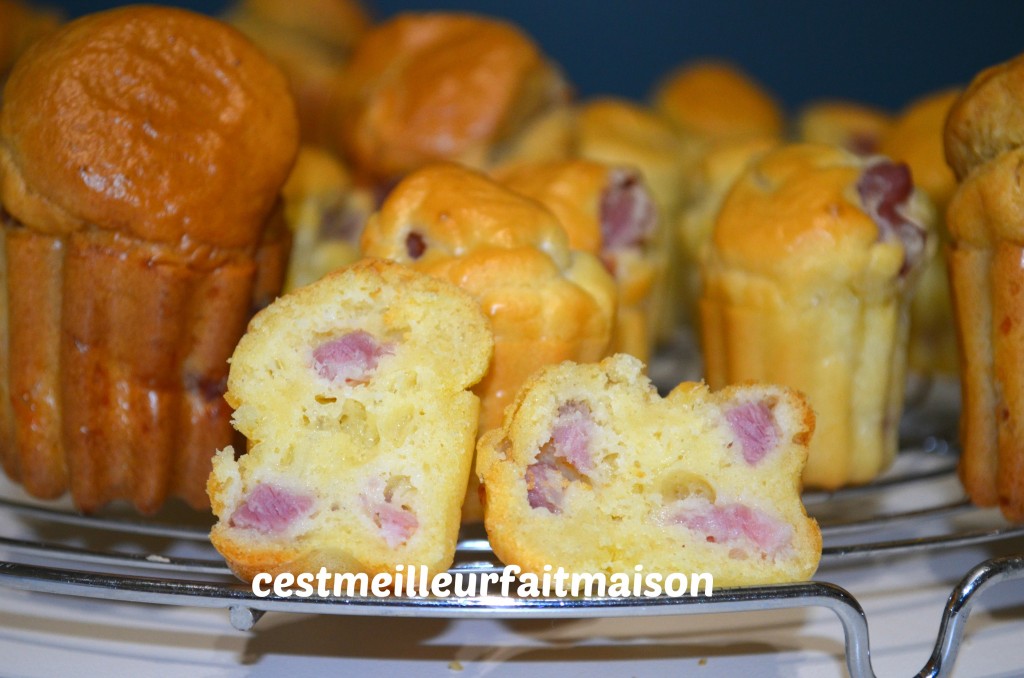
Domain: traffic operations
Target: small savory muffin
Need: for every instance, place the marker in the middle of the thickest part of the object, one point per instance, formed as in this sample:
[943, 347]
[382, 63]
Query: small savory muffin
[813, 259]
[311, 41]
[609, 212]
[142, 154]
[545, 301]
[983, 142]
[857, 127]
[916, 139]
[326, 213]
[594, 472]
[440, 86]
[715, 99]
[352, 393]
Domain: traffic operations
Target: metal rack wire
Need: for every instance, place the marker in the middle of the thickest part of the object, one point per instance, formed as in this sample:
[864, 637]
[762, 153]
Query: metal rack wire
[136, 561]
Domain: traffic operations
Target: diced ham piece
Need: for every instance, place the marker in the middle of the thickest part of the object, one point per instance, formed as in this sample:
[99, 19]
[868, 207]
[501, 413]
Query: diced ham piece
[387, 509]
[349, 358]
[884, 187]
[733, 524]
[628, 217]
[754, 426]
[545, 485]
[397, 524]
[571, 436]
[415, 245]
[564, 458]
[270, 509]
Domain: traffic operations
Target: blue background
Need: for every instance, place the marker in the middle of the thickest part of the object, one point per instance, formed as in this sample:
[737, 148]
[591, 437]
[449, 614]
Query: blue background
[880, 52]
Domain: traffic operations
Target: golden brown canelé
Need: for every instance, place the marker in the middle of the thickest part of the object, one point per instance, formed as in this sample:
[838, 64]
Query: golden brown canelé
[440, 86]
[983, 141]
[311, 41]
[915, 138]
[545, 302]
[813, 259]
[142, 151]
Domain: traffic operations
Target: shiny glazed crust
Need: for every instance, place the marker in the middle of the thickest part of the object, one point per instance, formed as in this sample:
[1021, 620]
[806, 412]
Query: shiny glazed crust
[155, 156]
[137, 238]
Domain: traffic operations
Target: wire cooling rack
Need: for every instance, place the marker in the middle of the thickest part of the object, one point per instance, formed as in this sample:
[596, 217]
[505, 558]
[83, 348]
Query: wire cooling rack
[168, 561]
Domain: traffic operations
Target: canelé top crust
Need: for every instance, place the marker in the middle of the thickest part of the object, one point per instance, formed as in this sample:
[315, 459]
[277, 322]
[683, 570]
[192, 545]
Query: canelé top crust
[810, 211]
[988, 118]
[159, 123]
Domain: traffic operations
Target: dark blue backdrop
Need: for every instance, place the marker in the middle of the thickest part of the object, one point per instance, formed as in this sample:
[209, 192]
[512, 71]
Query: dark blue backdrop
[884, 52]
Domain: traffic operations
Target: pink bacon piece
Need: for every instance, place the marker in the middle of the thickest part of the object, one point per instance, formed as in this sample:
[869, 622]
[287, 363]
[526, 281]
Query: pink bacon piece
[884, 187]
[545, 484]
[563, 459]
[270, 509]
[349, 358]
[395, 520]
[754, 426]
[628, 217]
[734, 524]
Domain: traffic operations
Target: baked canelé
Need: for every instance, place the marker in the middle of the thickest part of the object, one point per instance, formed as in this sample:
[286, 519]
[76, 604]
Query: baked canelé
[916, 139]
[325, 212]
[593, 471]
[310, 40]
[142, 152]
[983, 140]
[609, 212]
[439, 86]
[812, 262]
[352, 392]
[546, 302]
[857, 127]
[715, 99]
